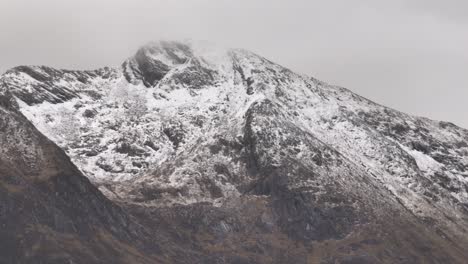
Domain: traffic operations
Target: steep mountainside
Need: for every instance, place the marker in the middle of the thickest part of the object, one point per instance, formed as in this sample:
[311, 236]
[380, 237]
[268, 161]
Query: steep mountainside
[49, 212]
[241, 160]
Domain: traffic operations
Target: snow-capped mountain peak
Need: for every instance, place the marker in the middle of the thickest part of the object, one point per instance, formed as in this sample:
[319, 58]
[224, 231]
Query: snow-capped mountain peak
[179, 123]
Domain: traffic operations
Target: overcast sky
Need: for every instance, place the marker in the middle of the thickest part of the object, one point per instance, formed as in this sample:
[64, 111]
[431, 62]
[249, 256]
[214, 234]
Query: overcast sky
[411, 55]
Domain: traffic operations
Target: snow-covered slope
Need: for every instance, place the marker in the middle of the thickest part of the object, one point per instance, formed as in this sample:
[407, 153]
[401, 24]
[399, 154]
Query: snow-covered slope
[181, 124]
[50, 212]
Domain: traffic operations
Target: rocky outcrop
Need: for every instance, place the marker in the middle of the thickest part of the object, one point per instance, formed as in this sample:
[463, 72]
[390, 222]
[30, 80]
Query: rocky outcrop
[35, 85]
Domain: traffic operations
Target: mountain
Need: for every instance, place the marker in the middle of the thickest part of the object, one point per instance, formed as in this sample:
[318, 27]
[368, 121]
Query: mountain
[236, 159]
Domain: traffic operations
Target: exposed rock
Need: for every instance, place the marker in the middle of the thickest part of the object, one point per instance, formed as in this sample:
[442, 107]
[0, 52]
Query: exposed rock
[88, 113]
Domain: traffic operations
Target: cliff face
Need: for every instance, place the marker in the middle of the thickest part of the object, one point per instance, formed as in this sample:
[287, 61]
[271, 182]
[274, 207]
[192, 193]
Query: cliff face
[234, 158]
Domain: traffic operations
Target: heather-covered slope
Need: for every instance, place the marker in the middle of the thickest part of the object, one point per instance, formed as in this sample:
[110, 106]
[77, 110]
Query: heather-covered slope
[237, 158]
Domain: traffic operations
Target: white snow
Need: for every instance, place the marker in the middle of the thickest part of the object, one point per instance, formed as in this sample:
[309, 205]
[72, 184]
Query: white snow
[425, 162]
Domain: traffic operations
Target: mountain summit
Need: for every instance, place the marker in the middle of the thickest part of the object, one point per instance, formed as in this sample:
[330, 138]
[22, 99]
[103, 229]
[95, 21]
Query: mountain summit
[240, 160]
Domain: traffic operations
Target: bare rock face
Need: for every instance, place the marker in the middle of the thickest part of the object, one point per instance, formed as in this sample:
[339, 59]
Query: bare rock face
[227, 157]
